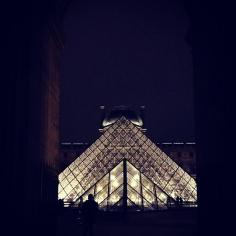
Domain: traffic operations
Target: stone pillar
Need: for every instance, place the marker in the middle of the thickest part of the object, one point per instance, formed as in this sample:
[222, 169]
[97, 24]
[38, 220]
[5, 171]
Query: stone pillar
[213, 89]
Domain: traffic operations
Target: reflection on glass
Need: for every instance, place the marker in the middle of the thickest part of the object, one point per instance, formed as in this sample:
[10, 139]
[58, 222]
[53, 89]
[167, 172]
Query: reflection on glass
[99, 188]
[134, 196]
[116, 196]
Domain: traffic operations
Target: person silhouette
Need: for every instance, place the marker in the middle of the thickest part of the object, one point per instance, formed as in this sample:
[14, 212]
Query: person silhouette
[177, 201]
[80, 210]
[181, 202]
[168, 201]
[80, 204]
[89, 211]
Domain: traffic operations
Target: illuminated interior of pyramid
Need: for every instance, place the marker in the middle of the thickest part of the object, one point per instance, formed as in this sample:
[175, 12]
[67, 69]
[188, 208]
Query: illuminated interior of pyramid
[124, 168]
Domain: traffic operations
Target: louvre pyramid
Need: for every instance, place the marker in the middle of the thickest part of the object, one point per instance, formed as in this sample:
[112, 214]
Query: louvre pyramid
[124, 167]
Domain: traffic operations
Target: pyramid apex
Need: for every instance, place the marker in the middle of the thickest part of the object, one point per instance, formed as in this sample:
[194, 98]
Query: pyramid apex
[123, 112]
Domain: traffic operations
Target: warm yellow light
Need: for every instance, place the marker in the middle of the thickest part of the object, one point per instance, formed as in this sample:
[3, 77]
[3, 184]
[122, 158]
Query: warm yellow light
[133, 183]
[62, 195]
[147, 186]
[136, 177]
[101, 198]
[133, 197]
[112, 177]
[114, 199]
[148, 197]
[68, 188]
[115, 183]
[99, 188]
[162, 197]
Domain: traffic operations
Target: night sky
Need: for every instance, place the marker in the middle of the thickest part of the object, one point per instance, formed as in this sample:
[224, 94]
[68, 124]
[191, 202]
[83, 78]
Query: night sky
[127, 54]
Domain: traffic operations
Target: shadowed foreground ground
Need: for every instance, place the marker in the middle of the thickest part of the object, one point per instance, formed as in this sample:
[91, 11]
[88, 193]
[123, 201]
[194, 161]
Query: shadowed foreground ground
[173, 222]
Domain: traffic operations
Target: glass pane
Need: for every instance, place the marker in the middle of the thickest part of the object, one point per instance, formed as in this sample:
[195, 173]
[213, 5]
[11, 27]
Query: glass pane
[70, 177]
[67, 171]
[170, 186]
[74, 183]
[116, 177]
[148, 206]
[77, 173]
[71, 168]
[102, 183]
[115, 196]
[62, 195]
[102, 194]
[60, 188]
[162, 205]
[134, 196]
[61, 177]
[64, 183]
[132, 170]
[134, 182]
[132, 206]
[78, 190]
[149, 196]
[116, 182]
[68, 189]
[103, 205]
[118, 206]
[147, 183]
[163, 198]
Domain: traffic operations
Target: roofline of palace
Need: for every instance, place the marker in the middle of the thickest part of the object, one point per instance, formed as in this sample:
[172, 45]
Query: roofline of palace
[161, 143]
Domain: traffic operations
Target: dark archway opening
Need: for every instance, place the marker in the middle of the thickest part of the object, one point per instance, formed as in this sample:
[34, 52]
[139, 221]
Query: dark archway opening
[26, 32]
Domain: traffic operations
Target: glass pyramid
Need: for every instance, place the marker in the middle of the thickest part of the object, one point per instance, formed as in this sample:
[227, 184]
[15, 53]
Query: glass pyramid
[125, 168]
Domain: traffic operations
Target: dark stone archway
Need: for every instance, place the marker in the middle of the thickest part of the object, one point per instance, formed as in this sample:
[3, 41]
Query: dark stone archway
[30, 132]
[213, 83]
[30, 95]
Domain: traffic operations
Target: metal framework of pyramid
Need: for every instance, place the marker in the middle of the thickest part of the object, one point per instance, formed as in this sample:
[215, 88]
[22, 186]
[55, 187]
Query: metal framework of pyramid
[125, 168]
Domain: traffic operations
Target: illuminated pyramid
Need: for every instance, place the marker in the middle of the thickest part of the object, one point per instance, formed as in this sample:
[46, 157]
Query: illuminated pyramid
[125, 168]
